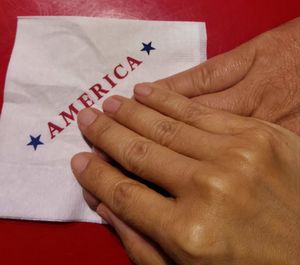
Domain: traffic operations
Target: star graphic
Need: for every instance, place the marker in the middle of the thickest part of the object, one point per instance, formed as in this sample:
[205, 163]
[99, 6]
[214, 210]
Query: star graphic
[35, 141]
[147, 47]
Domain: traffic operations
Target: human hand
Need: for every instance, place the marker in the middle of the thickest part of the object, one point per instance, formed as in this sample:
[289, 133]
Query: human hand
[234, 181]
[261, 78]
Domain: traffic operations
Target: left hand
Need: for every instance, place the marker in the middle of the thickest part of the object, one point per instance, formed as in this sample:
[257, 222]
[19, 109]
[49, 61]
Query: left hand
[234, 181]
[259, 79]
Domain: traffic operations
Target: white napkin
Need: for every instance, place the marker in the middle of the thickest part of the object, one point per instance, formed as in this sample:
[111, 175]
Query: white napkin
[59, 61]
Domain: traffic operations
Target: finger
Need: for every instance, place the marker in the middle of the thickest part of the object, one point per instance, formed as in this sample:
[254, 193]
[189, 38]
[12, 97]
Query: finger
[184, 109]
[101, 154]
[132, 201]
[90, 199]
[137, 154]
[216, 74]
[166, 131]
[140, 249]
[247, 102]
[240, 99]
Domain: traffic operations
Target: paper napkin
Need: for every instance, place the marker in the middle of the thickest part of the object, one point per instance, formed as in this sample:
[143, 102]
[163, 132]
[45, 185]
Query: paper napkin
[59, 66]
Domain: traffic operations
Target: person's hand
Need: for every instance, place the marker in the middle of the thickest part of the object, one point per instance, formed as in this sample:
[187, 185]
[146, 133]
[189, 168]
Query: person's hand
[234, 181]
[260, 79]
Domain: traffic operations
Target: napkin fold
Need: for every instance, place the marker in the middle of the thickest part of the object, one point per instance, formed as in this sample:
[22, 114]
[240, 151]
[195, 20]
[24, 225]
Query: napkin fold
[59, 66]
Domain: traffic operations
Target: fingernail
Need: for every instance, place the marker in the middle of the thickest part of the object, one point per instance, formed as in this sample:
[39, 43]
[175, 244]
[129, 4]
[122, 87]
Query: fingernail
[142, 90]
[111, 105]
[86, 117]
[79, 163]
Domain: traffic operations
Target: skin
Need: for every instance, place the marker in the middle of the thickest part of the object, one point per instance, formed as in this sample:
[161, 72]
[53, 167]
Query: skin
[260, 79]
[233, 180]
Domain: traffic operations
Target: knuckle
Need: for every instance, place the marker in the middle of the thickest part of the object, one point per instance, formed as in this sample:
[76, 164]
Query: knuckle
[201, 242]
[171, 83]
[219, 183]
[221, 187]
[195, 115]
[244, 155]
[193, 173]
[201, 78]
[165, 131]
[191, 241]
[124, 193]
[249, 157]
[256, 145]
[136, 152]
[192, 113]
[262, 137]
[197, 241]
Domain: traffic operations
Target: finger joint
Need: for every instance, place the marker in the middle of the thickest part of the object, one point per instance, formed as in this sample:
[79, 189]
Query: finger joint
[124, 194]
[136, 152]
[166, 131]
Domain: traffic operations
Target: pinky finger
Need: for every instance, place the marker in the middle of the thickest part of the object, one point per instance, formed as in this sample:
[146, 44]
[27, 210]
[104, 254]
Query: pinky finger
[90, 199]
[140, 249]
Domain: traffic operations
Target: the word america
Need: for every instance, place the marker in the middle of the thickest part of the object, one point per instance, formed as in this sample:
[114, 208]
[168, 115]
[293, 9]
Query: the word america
[108, 82]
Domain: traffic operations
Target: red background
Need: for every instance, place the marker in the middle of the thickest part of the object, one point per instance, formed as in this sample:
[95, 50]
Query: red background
[229, 23]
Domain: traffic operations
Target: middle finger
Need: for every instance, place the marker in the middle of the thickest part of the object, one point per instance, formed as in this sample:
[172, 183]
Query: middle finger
[149, 160]
[176, 135]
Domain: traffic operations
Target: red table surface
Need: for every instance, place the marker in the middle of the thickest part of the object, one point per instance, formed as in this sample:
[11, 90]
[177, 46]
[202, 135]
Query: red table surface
[229, 23]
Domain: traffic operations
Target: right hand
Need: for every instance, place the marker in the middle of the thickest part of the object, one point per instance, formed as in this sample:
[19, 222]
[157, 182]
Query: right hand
[234, 181]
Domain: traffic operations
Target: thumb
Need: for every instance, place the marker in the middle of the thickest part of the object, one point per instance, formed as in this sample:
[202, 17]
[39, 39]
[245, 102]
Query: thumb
[216, 74]
[237, 100]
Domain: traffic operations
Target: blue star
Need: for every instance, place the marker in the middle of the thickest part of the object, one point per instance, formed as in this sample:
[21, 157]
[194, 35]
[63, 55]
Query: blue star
[147, 47]
[35, 141]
